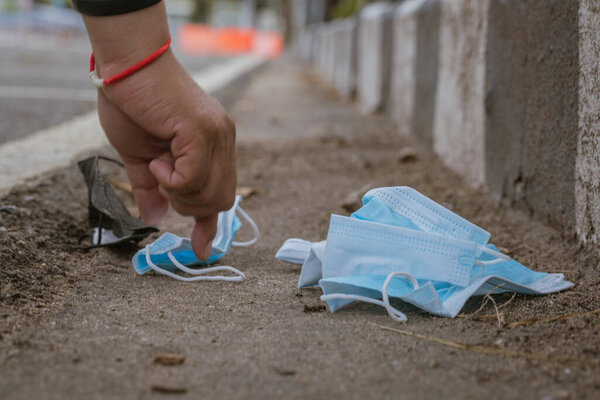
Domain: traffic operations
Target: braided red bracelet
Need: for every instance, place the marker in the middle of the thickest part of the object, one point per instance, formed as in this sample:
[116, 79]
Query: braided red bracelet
[99, 82]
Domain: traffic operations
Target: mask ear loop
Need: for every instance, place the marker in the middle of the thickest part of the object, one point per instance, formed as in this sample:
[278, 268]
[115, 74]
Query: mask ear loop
[202, 271]
[393, 313]
[499, 258]
[252, 224]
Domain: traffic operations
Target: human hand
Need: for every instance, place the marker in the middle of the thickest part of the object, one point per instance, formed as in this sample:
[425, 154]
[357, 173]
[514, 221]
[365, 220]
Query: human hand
[177, 144]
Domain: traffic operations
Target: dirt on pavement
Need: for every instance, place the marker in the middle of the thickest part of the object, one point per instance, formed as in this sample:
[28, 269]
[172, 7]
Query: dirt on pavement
[82, 324]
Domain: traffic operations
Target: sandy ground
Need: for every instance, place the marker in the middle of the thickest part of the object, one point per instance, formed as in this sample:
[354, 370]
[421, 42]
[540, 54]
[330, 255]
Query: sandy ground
[81, 324]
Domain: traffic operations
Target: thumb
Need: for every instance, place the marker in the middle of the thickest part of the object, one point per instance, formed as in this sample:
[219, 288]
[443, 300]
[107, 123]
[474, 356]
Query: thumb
[203, 233]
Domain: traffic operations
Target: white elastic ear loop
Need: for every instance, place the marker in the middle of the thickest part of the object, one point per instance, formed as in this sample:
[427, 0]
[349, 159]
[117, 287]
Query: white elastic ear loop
[202, 271]
[393, 313]
[499, 258]
[252, 224]
[156, 268]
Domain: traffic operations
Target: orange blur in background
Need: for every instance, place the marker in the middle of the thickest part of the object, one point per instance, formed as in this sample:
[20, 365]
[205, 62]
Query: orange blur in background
[206, 40]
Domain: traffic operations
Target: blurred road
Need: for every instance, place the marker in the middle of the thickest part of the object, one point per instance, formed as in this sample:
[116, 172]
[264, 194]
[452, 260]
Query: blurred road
[44, 77]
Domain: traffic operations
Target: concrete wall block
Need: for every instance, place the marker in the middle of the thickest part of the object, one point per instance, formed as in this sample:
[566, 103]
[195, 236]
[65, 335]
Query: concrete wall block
[320, 47]
[506, 100]
[587, 167]
[374, 56]
[307, 12]
[415, 69]
[305, 43]
[344, 77]
[458, 131]
[531, 106]
[330, 62]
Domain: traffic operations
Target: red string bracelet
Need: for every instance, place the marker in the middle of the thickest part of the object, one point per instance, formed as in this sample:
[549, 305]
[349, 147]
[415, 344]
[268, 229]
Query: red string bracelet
[99, 82]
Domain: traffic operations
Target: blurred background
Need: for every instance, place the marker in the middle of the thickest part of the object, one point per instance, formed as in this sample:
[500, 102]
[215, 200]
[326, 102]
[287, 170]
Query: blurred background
[44, 52]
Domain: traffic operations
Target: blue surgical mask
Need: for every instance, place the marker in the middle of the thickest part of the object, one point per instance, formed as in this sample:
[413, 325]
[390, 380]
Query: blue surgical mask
[171, 252]
[399, 206]
[372, 256]
[357, 247]
[439, 298]
[405, 207]
[309, 254]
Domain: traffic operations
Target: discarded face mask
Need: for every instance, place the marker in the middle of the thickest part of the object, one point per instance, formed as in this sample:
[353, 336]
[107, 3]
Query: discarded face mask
[171, 252]
[439, 298]
[298, 251]
[402, 244]
[356, 246]
[405, 207]
[109, 220]
[399, 206]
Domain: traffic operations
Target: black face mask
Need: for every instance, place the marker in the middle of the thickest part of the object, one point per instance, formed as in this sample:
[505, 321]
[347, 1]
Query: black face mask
[108, 218]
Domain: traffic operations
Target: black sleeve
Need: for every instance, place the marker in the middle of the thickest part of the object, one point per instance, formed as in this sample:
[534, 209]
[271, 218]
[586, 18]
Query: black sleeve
[110, 7]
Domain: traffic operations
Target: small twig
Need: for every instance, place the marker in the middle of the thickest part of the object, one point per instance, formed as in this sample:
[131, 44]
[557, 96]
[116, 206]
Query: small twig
[515, 249]
[508, 301]
[486, 298]
[477, 348]
[527, 322]
[483, 304]
[500, 319]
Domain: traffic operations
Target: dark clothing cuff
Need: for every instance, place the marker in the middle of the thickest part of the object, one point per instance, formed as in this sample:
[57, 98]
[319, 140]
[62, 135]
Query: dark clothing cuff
[110, 7]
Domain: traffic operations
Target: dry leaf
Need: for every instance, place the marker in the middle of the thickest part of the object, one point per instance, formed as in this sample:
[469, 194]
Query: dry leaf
[168, 389]
[407, 155]
[169, 359]
[246, 191]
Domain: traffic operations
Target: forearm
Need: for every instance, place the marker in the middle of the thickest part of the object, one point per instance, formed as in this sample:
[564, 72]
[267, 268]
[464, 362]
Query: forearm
[121, 40]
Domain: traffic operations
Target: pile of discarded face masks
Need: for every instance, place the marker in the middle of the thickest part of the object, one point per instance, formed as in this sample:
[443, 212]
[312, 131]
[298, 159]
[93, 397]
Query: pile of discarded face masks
[403, 245]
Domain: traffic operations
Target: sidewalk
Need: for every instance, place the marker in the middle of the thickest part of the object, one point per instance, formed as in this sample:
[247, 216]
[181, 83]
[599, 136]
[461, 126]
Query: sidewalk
[83, 325]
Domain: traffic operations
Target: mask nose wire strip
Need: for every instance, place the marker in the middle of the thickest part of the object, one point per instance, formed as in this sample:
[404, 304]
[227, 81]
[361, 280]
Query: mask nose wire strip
[239, 278]
[393, 313]
[252, 224]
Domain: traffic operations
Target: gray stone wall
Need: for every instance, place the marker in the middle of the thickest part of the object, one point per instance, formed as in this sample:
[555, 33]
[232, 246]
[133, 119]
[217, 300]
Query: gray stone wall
[458, 131]
[374, 56]
[587, 167]
[415, 69]
[505, 92]
[532, 107]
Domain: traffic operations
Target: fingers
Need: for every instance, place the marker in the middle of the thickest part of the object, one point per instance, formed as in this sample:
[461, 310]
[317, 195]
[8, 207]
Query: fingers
[203, 233]
[152, 204]
[136, 148]
[204, 193]
[187, 166]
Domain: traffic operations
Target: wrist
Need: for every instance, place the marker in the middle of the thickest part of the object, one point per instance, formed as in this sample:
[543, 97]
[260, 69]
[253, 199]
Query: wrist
[120, 41]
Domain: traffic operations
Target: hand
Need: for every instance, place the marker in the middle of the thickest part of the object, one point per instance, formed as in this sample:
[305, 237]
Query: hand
[176, 142]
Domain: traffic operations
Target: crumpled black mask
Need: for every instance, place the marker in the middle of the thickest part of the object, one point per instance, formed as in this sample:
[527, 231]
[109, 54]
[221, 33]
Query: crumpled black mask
[108, 218]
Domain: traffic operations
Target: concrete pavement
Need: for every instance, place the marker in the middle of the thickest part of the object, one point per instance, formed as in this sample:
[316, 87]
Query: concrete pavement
[84, 325]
